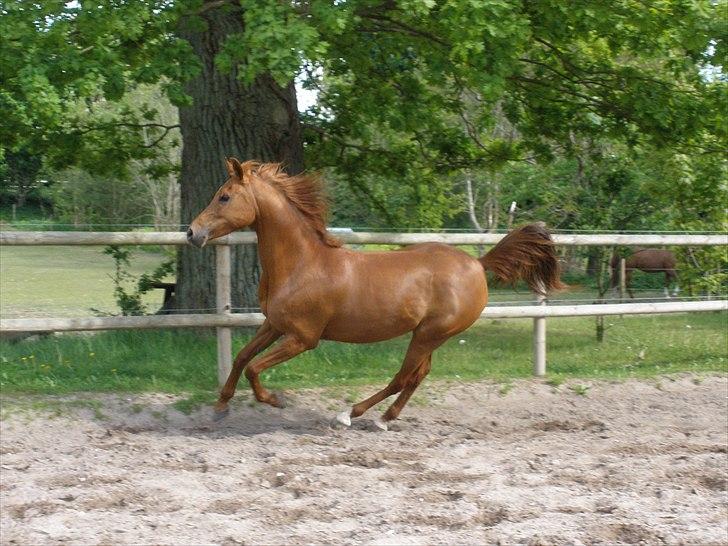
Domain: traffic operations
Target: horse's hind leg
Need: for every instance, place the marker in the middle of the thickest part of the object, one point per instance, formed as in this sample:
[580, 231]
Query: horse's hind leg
[263, 338]
[394, 410]
[419, 350]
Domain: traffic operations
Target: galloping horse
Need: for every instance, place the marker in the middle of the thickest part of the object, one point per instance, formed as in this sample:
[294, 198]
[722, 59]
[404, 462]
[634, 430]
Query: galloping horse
[649, 260]
[311, 288]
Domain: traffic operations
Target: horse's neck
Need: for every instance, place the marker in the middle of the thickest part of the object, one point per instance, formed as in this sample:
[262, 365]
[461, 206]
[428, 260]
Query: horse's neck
[285, 240]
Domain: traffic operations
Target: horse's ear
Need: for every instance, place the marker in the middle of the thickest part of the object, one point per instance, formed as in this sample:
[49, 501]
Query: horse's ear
[234, 168]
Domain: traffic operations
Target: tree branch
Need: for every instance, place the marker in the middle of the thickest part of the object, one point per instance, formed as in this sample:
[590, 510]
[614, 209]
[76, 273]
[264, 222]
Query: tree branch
[408, 29]
[342, 142]
[103, 126]
[161, 137]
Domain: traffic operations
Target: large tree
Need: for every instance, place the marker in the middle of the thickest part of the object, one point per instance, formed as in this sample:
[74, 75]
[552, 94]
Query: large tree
[227, 117]
[409, 90]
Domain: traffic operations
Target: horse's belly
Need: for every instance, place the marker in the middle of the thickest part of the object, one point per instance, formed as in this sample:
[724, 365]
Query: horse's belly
[357, 330]
[376, 318]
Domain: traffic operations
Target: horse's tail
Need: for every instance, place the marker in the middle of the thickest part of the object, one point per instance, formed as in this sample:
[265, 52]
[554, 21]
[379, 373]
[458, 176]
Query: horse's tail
[526, 253]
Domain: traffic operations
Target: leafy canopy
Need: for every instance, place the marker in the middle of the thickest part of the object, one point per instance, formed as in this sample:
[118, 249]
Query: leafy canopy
[408, 89]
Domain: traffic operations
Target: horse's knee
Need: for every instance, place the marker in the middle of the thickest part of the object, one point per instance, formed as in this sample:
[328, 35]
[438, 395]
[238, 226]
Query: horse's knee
[299, 345]
[242, 359]
[398, 383]
[251, 373]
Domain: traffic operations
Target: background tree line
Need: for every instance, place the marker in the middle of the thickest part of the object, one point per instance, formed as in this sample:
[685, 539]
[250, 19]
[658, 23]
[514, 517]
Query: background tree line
[429, 113]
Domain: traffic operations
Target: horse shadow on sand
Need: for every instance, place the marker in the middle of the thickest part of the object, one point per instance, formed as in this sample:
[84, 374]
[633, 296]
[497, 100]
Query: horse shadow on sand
[160, 415]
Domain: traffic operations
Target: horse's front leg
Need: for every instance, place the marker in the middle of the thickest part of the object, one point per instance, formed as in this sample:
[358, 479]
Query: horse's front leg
[290, 346]
[262, 339]
[628, 283]
[671, 278]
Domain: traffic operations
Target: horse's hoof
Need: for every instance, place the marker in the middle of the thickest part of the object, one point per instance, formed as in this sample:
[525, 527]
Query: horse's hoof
[380, 424]
[341, 419]
[277, 400]
[220, 414]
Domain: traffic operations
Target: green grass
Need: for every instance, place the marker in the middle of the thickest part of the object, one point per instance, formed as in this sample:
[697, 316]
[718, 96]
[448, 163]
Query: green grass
[64, 281]
[581, 390]
[53, 407]
[184, 362]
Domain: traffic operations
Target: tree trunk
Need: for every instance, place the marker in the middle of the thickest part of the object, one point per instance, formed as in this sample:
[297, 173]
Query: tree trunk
[227, 118]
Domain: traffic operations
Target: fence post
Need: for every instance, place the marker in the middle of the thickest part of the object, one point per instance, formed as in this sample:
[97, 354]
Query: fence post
[622, 279]
[539, 341]
[223, 304]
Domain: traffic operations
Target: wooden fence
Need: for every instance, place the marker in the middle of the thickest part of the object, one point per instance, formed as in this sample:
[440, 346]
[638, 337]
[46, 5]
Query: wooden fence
[224, 319]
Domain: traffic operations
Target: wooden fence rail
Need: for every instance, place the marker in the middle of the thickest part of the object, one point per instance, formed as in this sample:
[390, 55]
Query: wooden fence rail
[238, 320]
[224, 320]
[248, 237]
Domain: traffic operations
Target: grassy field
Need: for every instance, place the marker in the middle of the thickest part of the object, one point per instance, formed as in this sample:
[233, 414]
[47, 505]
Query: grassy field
[184, 361]
[44, 281]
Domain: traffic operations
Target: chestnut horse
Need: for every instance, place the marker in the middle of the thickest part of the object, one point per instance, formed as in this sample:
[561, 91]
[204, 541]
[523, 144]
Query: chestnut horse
[649, 260]
[312, 288]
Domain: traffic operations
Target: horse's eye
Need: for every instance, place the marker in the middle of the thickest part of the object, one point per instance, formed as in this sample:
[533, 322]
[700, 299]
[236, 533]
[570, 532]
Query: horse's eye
[224, 198]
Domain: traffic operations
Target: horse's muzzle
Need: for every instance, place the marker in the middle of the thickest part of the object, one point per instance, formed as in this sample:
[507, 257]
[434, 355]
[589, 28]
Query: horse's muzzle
[197, 237]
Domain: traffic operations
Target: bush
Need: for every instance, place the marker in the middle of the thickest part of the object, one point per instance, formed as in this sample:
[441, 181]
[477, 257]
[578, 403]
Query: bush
[80, 198]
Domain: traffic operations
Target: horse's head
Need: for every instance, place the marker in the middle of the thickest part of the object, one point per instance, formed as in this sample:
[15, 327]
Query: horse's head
[233, 206]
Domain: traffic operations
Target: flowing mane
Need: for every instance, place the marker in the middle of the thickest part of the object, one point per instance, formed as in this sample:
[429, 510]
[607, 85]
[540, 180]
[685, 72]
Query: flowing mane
[303, 191]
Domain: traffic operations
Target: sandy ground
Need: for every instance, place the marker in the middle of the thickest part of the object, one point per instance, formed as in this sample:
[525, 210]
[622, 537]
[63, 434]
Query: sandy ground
[624, 463]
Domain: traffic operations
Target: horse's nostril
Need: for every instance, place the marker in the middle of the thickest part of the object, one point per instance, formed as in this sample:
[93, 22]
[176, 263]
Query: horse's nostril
[189, 233]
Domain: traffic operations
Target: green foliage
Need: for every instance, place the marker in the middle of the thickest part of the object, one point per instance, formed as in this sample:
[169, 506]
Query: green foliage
[405, 202]
[581, 390]
[429, 88]
[696, 188]
[410, 91]
[130, 302]
[82, 198]
[65, 66]
[19, 173]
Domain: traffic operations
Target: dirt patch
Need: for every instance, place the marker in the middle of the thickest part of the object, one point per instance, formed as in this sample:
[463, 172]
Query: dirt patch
[629, 463]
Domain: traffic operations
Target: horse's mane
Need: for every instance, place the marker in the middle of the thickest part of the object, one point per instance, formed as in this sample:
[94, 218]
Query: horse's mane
[303, 191]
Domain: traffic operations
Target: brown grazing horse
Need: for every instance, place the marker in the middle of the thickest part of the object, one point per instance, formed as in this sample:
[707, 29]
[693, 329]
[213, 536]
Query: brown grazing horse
[649, 260]
[312, 288]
